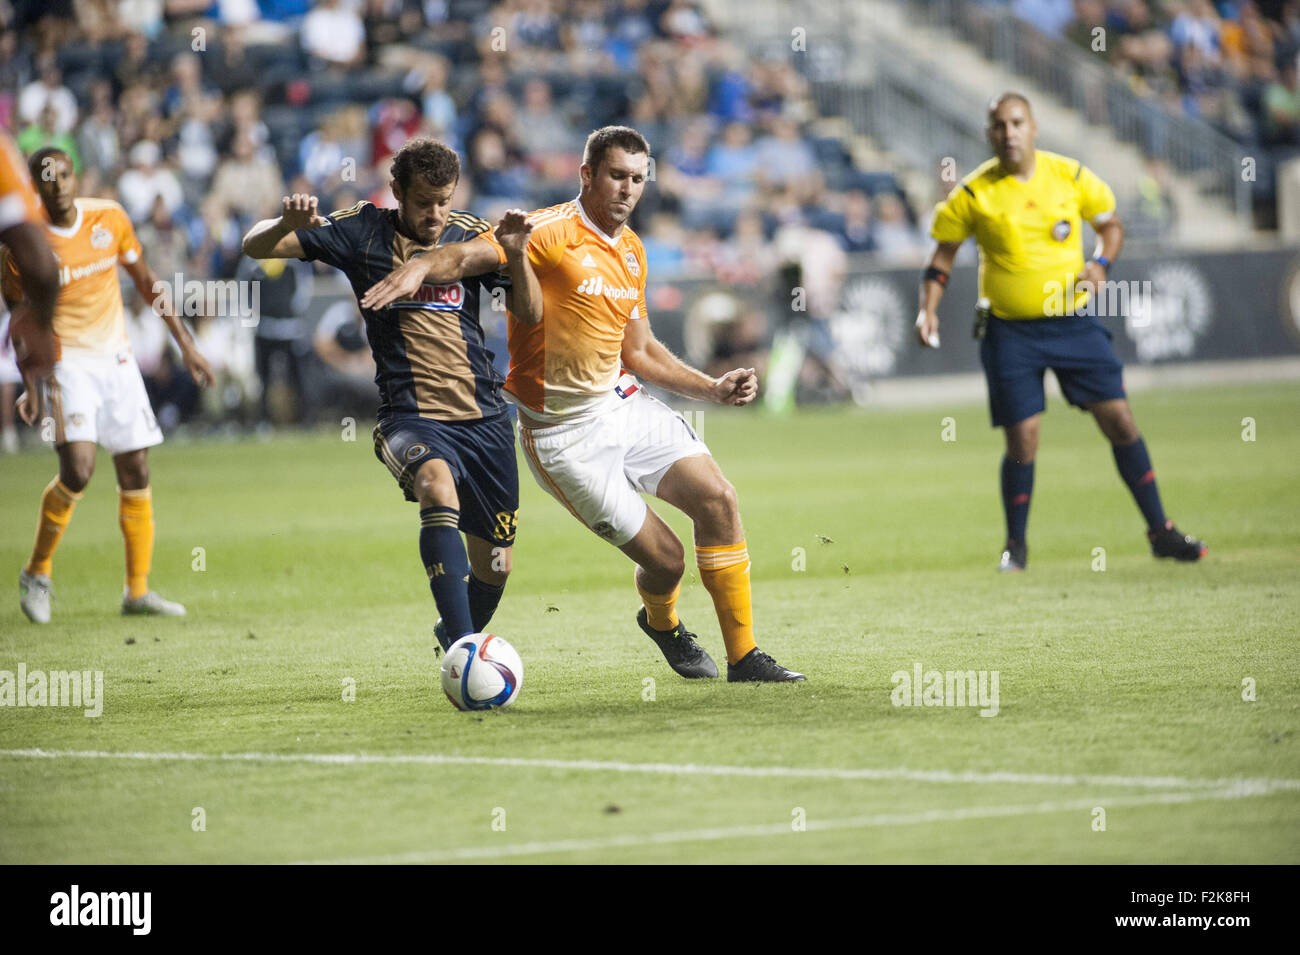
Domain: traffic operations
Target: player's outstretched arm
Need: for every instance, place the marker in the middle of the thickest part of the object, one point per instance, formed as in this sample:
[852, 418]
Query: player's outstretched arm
[933, 282]
[447, 263]
[159, 297]
[648, 358]
[525, 297]
[274, 238]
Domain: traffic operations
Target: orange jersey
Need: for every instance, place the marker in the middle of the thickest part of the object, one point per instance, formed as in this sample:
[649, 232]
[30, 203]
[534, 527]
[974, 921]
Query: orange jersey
[568, 364]
[18, 199]
[88, 315]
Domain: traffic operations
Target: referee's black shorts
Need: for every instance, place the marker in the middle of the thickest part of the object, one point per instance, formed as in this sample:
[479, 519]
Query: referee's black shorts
[1015, 353]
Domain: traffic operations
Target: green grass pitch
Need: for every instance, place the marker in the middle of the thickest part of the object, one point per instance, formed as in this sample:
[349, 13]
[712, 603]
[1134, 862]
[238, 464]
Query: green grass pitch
[873, 542]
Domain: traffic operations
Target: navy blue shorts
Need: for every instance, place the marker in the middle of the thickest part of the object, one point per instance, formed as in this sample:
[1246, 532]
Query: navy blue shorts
[480, 455]
[1016, 353]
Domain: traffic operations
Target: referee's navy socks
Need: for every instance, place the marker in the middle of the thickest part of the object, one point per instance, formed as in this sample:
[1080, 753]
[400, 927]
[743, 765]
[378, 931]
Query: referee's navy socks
[1135, 468]
[1017, 486]
[443, 552]
[483, 600]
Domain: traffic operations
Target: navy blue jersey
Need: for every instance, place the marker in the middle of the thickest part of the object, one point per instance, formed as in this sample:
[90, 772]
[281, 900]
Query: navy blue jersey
[430, 356]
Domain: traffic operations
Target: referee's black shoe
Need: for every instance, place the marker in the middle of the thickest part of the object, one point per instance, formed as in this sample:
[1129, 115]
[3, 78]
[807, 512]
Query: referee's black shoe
[679, 648]
[1014, 557]
[757, 667]
[1171, 542]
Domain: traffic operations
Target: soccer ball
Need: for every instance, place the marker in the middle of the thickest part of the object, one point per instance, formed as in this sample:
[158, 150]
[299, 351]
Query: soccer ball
[481, 671]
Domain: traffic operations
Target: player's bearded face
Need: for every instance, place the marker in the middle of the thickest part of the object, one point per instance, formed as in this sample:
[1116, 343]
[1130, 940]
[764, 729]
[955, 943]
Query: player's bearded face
[613, 190]
[424, 208]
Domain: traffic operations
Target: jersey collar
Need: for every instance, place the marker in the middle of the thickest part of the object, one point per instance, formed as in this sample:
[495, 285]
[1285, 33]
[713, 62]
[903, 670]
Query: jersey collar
[71, 230]
[610, 241]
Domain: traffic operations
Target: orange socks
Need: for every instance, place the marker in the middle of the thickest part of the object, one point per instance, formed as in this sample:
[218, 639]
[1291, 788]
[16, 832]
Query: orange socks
[724, 570]
[660, 609]
[135, 517]
[56, 510]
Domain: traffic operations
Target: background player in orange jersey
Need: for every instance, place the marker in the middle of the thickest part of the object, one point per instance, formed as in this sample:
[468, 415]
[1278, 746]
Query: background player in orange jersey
[95, 393]
[22, 233]
[593, 438]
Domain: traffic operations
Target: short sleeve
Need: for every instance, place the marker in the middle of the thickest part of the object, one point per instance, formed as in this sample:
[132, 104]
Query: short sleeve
[1095, 197]
[954, 218]
[129, 249]
[639, 310]
[546, 246]
[334, 243]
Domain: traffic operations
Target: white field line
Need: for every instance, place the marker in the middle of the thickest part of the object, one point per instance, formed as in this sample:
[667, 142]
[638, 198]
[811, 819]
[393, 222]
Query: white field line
[676, 769]
[512, 850]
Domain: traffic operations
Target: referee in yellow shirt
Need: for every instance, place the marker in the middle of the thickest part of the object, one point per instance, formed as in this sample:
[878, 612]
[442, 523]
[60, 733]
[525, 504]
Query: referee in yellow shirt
[1025, 208]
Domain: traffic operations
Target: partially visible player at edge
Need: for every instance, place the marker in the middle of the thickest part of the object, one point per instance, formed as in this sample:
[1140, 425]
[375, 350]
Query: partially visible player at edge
[444, 430]
[95, 392]
[22, 233]
[592, 436]
[1025, 207]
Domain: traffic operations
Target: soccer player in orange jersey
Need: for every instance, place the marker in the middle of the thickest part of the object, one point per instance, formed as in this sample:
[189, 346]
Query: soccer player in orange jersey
[95, 393]
[593, 438]
[29, 332]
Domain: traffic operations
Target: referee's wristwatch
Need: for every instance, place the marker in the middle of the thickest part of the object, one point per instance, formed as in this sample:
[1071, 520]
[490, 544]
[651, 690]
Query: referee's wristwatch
[1102, 261]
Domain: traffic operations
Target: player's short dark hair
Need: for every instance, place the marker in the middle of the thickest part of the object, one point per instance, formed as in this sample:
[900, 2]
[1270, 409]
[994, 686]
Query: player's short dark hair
[606, 138]
[437, 164]
[36, 161]
[1020, 98]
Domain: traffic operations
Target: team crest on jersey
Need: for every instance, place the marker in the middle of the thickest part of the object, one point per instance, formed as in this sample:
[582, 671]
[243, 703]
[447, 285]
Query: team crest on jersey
[633, 265]
[415, 450]
[76, 419]
[1061, 230]
[100, 238]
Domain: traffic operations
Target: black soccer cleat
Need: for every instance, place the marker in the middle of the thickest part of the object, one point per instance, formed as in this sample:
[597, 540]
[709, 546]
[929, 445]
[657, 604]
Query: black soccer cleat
[757, 667]
[1014, 557]
[440, 634]
[679, 648]
[1171, 542]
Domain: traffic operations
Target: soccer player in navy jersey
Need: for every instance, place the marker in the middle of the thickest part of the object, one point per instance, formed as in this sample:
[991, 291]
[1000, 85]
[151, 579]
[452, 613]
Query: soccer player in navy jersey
[443, 428]
[1025, 207]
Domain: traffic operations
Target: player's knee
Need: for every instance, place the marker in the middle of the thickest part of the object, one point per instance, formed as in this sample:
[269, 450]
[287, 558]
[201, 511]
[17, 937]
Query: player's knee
[134, 476]
[435, 488]
[76, 474]
[494, 567]
[720, 506]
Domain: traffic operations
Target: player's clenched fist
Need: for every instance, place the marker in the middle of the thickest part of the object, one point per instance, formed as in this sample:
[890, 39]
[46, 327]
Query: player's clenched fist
[737, 387]
[300, 211]
[513, 230]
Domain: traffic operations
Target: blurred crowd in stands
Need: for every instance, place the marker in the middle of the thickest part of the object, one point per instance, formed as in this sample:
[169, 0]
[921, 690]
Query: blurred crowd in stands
[1232, 63]
[198, 115]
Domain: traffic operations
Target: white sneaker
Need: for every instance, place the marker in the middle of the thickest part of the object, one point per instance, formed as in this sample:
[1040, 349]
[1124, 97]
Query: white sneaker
[151, 604]
[34, 596]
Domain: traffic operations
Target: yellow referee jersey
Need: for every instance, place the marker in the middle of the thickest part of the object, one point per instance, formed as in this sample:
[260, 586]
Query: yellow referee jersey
[1029, 233]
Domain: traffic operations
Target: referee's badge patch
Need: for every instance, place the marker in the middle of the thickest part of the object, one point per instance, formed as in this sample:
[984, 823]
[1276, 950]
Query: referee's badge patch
[1061, 230]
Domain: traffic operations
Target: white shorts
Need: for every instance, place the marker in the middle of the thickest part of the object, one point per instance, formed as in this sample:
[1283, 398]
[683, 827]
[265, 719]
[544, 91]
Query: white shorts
[596, 467]
[101, 398]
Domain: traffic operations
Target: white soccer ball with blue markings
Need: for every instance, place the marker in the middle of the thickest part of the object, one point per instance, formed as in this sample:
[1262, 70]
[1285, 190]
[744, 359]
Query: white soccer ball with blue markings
[481, 671]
